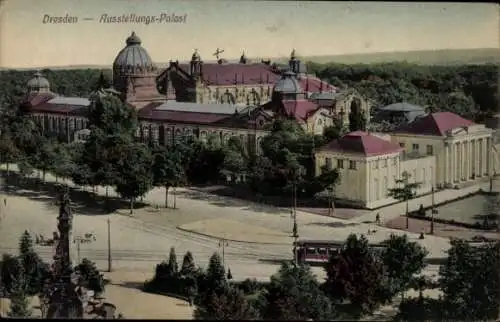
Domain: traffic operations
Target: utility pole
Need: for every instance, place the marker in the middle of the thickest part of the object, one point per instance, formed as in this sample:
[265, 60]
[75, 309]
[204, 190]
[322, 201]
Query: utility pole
[223, 243]
[109, 246]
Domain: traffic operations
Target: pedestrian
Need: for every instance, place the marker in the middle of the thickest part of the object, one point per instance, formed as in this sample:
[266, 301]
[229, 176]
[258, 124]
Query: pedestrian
[5, 201]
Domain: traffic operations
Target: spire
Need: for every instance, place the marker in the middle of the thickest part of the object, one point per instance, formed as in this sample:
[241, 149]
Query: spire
[243, 58]
[293, 55]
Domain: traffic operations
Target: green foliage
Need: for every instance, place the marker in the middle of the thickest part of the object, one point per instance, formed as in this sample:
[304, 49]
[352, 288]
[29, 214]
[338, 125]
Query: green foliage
[188, 266]
[402, 260]
[228, 305]
[134, 177]
[470, 282]
[295, 294]
[10, 266]
[356, 275]
[172, 262]
[19, 301]
[90, 276]
[35, 270]
[215, 278]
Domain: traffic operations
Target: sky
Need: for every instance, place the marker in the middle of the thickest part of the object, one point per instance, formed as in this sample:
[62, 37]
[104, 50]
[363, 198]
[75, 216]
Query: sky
[260, 28]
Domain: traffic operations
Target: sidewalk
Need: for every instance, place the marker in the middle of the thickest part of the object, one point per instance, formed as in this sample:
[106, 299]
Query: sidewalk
[393, 211]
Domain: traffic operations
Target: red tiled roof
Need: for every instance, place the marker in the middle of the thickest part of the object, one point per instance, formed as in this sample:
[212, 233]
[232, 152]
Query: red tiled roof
[300, 109]
[34, 99]
[362, 143]
[435, 124]
[149, 112]
[228, 74]
[313, 85]
[60, 109]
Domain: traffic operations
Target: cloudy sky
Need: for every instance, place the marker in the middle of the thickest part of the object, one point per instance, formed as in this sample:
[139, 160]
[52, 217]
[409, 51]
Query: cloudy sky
[260, 28]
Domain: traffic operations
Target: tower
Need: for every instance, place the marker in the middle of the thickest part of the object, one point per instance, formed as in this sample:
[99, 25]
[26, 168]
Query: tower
[195, 66]
[243, 58]
[64, 301]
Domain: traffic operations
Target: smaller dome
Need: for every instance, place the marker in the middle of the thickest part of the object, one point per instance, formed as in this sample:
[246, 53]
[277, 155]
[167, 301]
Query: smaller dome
[288, 84]
[196, 56]
[38, 83]
[133, 39]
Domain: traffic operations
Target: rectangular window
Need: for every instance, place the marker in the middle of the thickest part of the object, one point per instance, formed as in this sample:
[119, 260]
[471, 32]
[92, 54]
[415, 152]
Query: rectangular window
[394, 161]
[340, 164]
[385, 163]
[402, 144]
[375, 164]
[352, 165]
[430, 150]
[415, 147]
[328, 162]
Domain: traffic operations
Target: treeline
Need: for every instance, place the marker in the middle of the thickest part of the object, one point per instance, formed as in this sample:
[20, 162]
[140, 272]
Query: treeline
[112, 157]
[358, 283]
[469, 90]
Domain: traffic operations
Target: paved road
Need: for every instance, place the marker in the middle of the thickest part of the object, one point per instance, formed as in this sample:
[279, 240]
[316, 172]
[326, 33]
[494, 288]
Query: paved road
[145, 238]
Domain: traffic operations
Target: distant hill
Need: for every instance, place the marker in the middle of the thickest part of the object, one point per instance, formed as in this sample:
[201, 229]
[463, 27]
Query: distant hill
[422, 57]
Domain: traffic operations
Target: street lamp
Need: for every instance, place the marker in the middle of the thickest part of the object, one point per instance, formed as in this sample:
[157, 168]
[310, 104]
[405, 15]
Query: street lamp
[223, 243]
[86, 238]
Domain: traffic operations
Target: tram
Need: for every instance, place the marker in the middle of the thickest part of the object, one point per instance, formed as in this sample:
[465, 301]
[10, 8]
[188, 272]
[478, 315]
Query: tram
[320, 251]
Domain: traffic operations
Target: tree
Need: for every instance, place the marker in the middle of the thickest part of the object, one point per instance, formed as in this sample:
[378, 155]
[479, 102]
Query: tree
[229, 305]
[168, 169]
[188, 266]
[8, 150]
[404, 191]
[134, 175]
[335, 131]
[355, 274]
[229, 275]
[34, 269]
[90, 276]
[172, 262]
[10, 266]
[19, 301]
[294, 294]
[470, 282]
[402, 259]
[215, 278]
[357, 119]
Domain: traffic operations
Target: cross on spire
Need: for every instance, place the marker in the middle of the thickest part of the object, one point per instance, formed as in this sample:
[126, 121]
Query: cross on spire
[218, 52]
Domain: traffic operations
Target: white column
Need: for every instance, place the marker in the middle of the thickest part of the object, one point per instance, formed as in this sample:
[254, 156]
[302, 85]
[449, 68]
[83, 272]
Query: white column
[466, 160]
[478, 158]
[484, 156]
[453, 165]
[446, 164]
[488, 156]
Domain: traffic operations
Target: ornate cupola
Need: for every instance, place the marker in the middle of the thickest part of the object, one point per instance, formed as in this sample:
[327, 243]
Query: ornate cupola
[196, 65]
[296, 66]
[38, 84]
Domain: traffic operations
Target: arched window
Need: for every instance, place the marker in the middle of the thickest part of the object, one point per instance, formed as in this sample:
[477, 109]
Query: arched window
[227, 98]
[253, 98]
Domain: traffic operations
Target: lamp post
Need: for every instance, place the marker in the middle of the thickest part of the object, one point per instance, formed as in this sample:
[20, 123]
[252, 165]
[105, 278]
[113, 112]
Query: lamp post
[223, 243]
[85, 239]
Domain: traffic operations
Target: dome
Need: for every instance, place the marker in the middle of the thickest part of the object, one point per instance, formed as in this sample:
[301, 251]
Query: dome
[133, 59]
[288, 84]
[38, 83]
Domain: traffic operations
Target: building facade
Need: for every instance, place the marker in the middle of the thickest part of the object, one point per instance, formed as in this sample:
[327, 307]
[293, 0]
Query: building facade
[440, 150]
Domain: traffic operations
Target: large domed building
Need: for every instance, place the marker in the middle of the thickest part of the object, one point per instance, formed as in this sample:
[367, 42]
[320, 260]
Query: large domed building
[134, 74]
